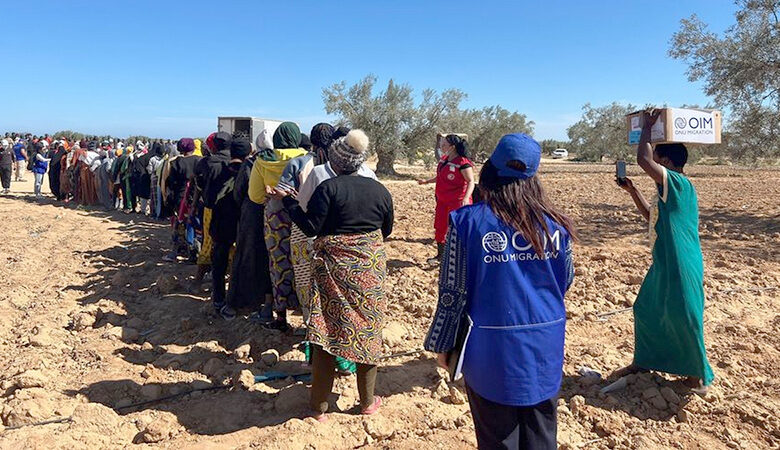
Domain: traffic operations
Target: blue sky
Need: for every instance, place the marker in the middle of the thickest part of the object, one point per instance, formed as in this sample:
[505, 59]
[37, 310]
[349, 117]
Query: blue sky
[169, 68]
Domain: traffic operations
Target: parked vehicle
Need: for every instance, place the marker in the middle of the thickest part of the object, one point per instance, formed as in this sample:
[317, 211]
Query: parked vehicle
[560, 153]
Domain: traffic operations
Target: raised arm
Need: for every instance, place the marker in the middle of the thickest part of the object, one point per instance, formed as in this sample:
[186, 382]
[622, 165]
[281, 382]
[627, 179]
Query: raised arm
[644, 151]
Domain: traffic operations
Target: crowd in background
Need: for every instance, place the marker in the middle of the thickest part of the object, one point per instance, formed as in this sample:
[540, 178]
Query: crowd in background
[298, 222]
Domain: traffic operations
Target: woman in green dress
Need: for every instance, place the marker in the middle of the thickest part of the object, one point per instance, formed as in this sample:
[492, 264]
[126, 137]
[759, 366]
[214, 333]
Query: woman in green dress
[668, 312]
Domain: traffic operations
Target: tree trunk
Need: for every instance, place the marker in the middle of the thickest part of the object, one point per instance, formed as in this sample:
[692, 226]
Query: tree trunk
[385, 164]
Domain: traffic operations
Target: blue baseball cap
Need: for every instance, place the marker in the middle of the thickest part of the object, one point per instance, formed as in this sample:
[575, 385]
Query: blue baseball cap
[517, 147]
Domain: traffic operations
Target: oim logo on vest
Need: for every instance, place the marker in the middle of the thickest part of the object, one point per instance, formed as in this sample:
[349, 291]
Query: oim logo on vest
[495, 244]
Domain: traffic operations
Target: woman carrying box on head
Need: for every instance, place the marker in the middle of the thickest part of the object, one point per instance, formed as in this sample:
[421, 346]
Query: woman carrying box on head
[507, 265]
[669, 309]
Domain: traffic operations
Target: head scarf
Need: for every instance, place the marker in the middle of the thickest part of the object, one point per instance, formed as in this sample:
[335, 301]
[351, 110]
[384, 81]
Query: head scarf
[288, 135]
[349, 152]
[264, 141]
[305, 142]
[321, 135]
[222, 141]
[157, 149]
[185, 145]
[198, 151]
[210, 142]
[240, 148]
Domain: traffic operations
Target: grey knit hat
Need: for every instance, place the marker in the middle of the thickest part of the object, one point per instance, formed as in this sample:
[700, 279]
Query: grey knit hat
[349, 152]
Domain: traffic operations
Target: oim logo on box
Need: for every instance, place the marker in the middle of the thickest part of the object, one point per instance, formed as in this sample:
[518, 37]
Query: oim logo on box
[694, 123]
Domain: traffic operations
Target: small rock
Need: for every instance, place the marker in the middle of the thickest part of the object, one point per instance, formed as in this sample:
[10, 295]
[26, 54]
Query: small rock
[158, 430]
[151, 391]
[649, 393]
[130, 334]
[683, 416]
[270, 357]
[659, 403]
[456, 396]
[30, 379]
[242, 351]
[635, 280]
[394, 334]
[576, 404]
[441, 390]
[245, 379]
[134, 322]
[378, 430]
[212, 367]
[83, 321]
[669, 395]
[293, 398]
[147, 346]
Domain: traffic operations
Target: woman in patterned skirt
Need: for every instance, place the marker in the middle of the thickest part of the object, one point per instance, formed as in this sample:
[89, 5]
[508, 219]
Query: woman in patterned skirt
[350, 215]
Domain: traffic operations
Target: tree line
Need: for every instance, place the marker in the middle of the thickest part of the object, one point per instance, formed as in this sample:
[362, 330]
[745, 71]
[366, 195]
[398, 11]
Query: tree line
[741, 71]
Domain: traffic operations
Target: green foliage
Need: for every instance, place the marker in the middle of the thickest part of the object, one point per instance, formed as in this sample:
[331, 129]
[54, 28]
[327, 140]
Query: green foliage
[601, 132]
[550, 145]
[398, 127]
[69, 135]
[741, 70]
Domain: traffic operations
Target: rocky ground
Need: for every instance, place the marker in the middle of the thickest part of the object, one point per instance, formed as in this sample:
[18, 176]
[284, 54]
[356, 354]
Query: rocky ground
[101, 337]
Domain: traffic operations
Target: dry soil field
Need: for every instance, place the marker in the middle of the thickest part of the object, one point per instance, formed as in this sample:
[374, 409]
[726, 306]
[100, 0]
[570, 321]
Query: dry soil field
[92, 323]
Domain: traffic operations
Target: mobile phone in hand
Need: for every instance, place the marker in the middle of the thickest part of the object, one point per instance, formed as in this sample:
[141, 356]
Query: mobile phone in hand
[620, 171]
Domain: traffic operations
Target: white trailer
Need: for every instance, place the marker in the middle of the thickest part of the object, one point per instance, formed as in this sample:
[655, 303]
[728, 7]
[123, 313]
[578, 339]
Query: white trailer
[248, 126]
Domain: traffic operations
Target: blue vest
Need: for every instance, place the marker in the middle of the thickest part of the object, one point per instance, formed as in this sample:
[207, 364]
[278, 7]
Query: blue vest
[40, 166]
[514, 354]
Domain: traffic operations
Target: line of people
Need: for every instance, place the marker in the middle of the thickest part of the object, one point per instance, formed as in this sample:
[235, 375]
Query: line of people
[299, 222]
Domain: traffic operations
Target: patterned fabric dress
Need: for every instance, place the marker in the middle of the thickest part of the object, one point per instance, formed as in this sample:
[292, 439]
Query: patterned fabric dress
[277, 241]
[348, 314]
[301, 252]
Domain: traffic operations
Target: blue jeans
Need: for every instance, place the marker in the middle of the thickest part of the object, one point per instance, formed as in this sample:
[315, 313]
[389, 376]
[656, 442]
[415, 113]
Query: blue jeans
[38, 183]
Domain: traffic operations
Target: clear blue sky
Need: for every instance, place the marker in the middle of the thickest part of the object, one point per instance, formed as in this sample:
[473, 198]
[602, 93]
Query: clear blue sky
[169, 68]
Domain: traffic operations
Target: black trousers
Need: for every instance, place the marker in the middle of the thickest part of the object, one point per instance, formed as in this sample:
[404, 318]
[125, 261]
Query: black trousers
[514, 427]
[5, 176]
[220, 256]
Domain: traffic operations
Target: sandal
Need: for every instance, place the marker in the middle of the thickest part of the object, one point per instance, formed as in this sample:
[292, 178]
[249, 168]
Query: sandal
[374, 407]
[318, 416]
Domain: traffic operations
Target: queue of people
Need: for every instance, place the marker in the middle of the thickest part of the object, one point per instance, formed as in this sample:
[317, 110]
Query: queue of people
[298, 222]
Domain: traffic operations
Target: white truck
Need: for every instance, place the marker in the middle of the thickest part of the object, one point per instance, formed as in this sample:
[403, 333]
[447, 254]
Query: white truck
[248, 126]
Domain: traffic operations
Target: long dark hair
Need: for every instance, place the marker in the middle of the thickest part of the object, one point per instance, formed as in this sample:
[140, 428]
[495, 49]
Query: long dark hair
[523, 205]
[460, 144]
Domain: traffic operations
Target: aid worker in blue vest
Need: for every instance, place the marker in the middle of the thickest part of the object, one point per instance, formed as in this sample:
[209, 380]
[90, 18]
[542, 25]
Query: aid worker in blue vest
[507, 265]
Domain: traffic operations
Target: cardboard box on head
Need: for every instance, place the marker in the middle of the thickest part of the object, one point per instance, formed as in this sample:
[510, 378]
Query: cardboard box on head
[686, 125]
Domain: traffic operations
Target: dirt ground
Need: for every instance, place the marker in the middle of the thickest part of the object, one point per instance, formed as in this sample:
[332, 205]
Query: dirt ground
[92, 322]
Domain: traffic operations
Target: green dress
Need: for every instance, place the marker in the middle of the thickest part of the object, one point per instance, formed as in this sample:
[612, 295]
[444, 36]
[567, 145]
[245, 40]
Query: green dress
[668, 312]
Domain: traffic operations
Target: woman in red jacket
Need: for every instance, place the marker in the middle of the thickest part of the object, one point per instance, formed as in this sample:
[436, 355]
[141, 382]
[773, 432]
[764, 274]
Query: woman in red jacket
[454, 185]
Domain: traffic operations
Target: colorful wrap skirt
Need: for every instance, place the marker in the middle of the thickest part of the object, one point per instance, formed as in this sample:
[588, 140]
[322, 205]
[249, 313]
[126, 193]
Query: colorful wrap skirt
[348, 314]
[277, 240]
[301, 252]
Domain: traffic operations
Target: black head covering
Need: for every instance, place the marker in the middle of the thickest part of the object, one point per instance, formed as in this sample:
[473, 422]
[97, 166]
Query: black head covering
[222, 141]
[240, 148]
[92, 146]
[340, 132]
[157, 149]
[305, 142]
[321, 135]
